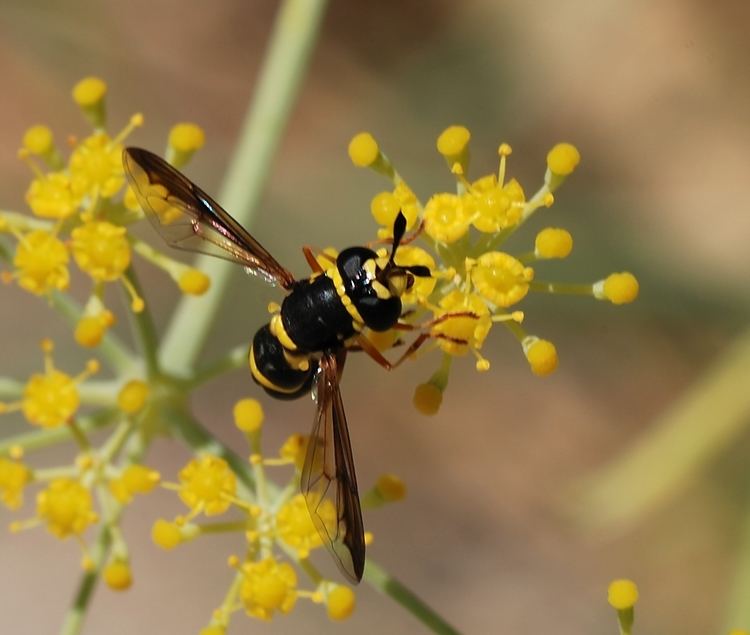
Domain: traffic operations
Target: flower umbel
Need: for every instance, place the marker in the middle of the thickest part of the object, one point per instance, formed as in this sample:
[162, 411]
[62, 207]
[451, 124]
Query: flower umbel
[475, 278]
[80, 208]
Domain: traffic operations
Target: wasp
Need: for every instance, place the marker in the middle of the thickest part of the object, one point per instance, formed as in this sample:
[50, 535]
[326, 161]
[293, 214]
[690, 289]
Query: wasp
[304, 345]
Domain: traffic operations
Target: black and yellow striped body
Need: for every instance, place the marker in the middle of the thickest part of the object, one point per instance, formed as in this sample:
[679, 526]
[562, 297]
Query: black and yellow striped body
[322, 313]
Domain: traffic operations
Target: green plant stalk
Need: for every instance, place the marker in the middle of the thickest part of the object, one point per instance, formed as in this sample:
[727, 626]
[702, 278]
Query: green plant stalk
[98, 553]
[737, 612]
[77, 613]
[39, 439]
[379, 579]
[144, 329]
[693, 432]
[200, 440]
[293, 37]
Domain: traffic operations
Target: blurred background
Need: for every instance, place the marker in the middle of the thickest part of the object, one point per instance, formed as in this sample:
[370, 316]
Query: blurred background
[510, 524]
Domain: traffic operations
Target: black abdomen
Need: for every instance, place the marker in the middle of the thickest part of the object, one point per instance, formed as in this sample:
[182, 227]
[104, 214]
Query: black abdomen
[271, 369]
[314, 317]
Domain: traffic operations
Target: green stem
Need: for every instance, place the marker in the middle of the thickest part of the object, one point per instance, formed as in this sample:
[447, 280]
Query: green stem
[144, 329]
[39, 439]
[234, 359]
[10, 388]
[77, 613]
[379, 579]
[293, 37]
[702, 424]
[738, 607]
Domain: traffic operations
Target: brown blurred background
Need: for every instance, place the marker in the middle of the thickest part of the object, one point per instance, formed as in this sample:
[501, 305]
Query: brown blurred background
[655, 95]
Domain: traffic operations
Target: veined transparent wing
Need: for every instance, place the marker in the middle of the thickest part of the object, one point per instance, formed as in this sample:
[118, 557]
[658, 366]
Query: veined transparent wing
[188, 218]
[329, 482]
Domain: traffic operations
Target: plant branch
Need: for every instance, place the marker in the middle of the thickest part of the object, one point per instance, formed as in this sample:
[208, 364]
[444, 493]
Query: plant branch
[293, 37]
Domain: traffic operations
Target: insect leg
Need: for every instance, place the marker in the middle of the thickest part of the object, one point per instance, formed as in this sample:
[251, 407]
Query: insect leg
[312, 260]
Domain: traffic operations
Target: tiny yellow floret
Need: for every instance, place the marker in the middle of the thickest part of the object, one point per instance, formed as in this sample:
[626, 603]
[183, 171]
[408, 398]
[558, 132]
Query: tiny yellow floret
[619, 288]
[248, 415]
[165, 534]
[453, 141]
[268, 586]
[194, 282]
[89, 91]
[101, 250]
[384, 208]
[391, 487]
[140, 479]
[208, 485]
[541, 355]
[622, 594]
[39, 140]
[446, 218]
[340, 602]
[427, 399]
[90, 329]
[363, 150]
[41, 261]
[213, 630]
[118, 576]
[553, 242]
[501, 278]
[186, 137]
[563, 159]
[132, 396]
[67, 507]
[14, 476]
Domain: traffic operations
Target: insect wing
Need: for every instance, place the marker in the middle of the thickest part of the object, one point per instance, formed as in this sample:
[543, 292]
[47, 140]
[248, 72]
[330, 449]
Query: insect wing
[329, 483]
[188, 218]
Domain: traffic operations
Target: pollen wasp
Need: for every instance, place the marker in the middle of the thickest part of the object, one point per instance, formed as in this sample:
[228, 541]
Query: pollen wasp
[304, 345]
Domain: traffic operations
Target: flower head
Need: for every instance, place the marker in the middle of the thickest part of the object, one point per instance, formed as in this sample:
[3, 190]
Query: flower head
[474, 276]
[268, 587]
[66, 507]
[207, 484]
[14, 476]
[41, 262]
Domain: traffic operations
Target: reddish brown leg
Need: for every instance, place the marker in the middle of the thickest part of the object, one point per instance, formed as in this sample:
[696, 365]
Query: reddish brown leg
[405, 326]
[312, 260]
[409, 238]
[368, 347]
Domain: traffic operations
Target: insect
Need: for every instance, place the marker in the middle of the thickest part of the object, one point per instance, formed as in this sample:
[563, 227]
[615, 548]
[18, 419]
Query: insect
[304, 345]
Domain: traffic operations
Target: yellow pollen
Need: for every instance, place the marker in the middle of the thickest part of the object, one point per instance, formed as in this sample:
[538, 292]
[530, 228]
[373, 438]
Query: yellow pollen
[101, 250]
[39, 140]
[453, 141]
[622, 594]
[248, 415]
[132, 396]
[501, 279]
[541, 355]
[194, 282]
[89, 91]
[563, 159]
[41, 261]
[446, 218]
[187, 137]
[363, 150]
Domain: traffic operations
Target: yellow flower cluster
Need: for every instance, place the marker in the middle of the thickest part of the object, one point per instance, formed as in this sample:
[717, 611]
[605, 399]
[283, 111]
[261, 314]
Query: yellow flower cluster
[80, 211]
[99, 478]
[277, 530]
[475, 282]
